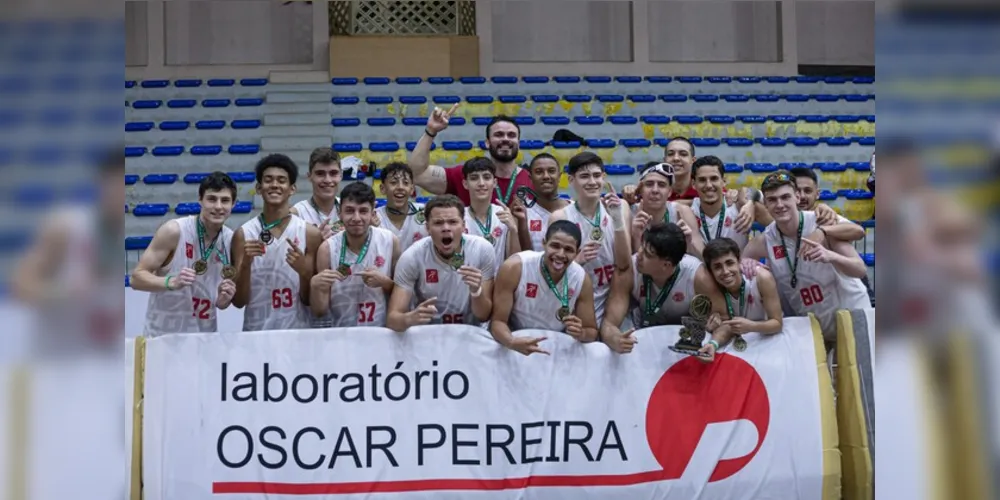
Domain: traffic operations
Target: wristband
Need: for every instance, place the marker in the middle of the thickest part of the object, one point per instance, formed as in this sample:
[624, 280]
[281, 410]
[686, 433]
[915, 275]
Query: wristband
[428, 132]
[617, 220]
[714, 344]
[478, 292]
[166, 283]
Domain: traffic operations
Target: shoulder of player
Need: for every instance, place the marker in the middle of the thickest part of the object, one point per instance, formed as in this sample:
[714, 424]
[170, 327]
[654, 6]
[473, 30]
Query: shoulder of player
[690, 262]
[764, 277]
[510, 270]
[559, 214]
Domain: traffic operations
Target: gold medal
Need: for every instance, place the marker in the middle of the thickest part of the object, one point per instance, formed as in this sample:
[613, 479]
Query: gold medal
[597, 234]
[562, 313]
[228, 272]
[200, 267]
[457, 261]
[337, 227]
[266, 237]
[739, 343]
[420, 217]
[344, 270]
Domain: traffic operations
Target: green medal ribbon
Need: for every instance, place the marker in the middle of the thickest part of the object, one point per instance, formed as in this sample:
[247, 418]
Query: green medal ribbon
[654, 307]
[411, 210]
[729, 305]
[798, 243]
[484, 229]
[510, 190]
[564, 297]
[597, 218]
[206, 252]
[718, 230]
[666, 214]
[361, 254]
[336, 207]
[265, 226]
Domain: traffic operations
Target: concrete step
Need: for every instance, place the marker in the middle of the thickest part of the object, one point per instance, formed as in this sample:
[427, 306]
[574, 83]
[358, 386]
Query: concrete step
[317, 98]
[282, 108]
[297, 119]
[304, 142]
[299, 77]
[268, 131]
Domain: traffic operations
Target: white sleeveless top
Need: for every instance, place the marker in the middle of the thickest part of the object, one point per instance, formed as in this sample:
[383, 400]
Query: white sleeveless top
[820, 289]
[753, 308]
[274, 286]
[352, 303]
[602, 268]
[497, 229]
[678, 301]
[192, 308]
[312, 216]
[535, 304]
[538, 224]
[411, 232]
[423, 273]
[711, 228]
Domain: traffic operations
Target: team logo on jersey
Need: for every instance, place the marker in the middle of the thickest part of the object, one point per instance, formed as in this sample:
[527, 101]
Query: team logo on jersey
[779, 251]
[729, 221]
[679, 297]
[379, 261]
[750, 300]
[189, 250]
[531, 290]
[497, 232]
[417, 236]
[571, 292]
[431, 276]
[536, 226]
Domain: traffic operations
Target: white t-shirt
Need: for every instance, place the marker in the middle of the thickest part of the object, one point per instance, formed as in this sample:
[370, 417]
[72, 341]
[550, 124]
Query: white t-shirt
[411, 231]
[274, 286]
[352, 303]
[190, 309]
[677, 301]
[602, 268]
[535, 304]
[496, 229]
[422, 272]
[708, 227]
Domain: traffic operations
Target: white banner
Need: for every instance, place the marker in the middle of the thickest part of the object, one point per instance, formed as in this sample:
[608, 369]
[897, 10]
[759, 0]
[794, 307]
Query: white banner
[444, 412]
[129, 409]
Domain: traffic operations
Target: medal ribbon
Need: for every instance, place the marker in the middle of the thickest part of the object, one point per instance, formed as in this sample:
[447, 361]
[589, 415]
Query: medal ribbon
[269, 226]
[336, 207]
[205, 252]
[411, 210]
[523, 193]
[564, 298]
[729, 305]
[718, 230]
[597, 218]
[798, 243]
[510, 190]
[361, 254]
[484, 229]
[652, 307]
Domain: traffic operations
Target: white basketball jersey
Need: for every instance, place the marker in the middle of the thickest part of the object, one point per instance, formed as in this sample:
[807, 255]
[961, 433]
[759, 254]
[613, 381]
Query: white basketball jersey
[411, 231]
[308, 213]
[820, 289]
[274, 286]
[538, 224]
[671, 213]
[753, 303]
[535, 304]
[678, 299]
[352, 303]
[711, 229]
[602, 268]
[425, 274]
[190, 309]
[498, 230]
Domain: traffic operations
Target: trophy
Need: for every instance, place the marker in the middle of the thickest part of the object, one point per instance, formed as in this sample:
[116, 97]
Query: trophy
[693, 331]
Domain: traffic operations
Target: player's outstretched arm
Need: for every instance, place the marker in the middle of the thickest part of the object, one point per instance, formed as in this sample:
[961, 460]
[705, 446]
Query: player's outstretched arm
[697, 243]
[242, 261]
[321, 283]
[585, 311]
[503, 300]
[399, 317]
[772, 304]
[482, 296]
[616, 307]
[432, 178]
[159, 253]
[308, 269]
[843, 230]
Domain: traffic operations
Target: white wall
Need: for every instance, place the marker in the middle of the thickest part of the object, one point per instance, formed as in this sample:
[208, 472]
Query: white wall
[562, 31]
[839, 32]
[698, 31]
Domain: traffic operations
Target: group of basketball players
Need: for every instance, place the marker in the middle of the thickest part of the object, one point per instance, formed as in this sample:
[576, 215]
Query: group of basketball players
[498, 247]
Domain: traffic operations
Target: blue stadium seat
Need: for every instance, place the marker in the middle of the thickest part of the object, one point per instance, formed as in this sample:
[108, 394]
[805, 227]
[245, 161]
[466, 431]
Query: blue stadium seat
[383, 147]
[772, 142]
[655, 119]
[244, 149]
[348, 147]
[447, 99]
[555, 120]
[814, 118]
[513, 99]
[34, 196]
[635, 143]
[221, 82]
[376, 100]
[796, 97]
[673, 98]
[409, 121]
[479, 99]
[440, 80]
[565, 144]
[504, 79]
[588, 120]
[409, 80]
[168, 150]
[601, 143]
[530, 145]
[181, 103]
[804, 142]
[700, 142]
[134, 151]
[544, 98]
[721, 119]
[243, 177]
[211, 150]
[567, 79]
[456, 145]
[610, 98]
[623, 120]
[826, 97]
[187, 83]
[174, 125]
[243, 207]
[146, 104]
[253, 82]
[535, 79]
[138, 242]
[459, 121]
[619, 169]
[376, 80]
[215, 103]
[249, 102]
[381, 122]
[748, 79]
[244, 124]
[689, 79]
[735, 98]
[659, 79]
[410, 146]
[733, 168]
[155, 84]
[131, 179]
[688, 120]
[187, 209]
[345, 101]
[349, 122]
[341, 82]
[705, 98]
[139, 126]
[642, 98]
[720, 79]
[523, 121]
[159, 179]
[195, 178]
[765, 97]
[783, 118]
[472, 80]
[751, 118]
[151, 210]
[210, 125]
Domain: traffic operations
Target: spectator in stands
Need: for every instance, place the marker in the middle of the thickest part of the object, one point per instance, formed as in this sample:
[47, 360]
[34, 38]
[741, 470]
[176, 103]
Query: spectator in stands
[400, 214]
[449, 275]
[606, 240]
[679, 154]
[490, 221]
[503, 140]
[275, 254]
[655, 182]
[741, 304]
[658, 288]
[322, 207]
[187, 265]
[544, 290]
[354, 267]
[539, 201]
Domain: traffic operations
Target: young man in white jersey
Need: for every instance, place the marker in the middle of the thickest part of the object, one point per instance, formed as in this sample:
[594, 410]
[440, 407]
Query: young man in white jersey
[531, 285]
[658, 288]
[538, 201]
[321, 209]
[653, 207]
[741, 304]
[400, 215]
[490, 221]
[275, 254]
[817, 269]
[450, 274]
[601, 218]
[716, 217]
[187, 268]
[354, 267]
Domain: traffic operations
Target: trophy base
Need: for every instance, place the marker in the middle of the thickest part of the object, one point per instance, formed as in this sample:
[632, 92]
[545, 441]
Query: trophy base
[689, 351]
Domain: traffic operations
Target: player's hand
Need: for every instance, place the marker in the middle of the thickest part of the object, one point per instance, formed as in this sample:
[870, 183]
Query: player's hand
[373, 278]
[588, 253]
[749, 267]
[423, 314]
[714, 321]
[630, 193]
[295, 258]
[527, 345]
[739, 326]
[254, 248]
[640, 221]
[825, 216]
[812, 251]
[438, 120]
[611, 200]
[326, 229]
[472, 277]
[621, 342]
[183, 279]
[508, 220]
[707, 353]
[686, 229]
[227, 289]
[574, 326]
[325, 279]
[518, 210]
[744, 221]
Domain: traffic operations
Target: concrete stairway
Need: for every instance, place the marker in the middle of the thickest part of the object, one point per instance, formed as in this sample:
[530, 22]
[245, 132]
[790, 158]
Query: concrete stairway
[297, 115]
